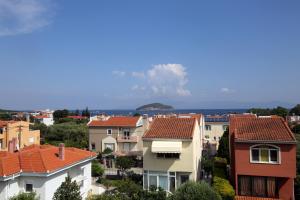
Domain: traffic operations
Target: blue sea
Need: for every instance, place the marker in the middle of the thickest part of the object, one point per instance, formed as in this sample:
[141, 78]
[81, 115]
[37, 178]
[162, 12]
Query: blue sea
[176, 111]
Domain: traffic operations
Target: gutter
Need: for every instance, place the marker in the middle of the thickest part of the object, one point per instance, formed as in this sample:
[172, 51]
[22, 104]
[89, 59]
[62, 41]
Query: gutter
[265, 141]
[45, 174]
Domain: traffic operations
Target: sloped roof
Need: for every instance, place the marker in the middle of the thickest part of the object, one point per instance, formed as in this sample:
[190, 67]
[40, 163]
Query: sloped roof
[121, 121]
[272, 129]
[40, 159]
[171, 128]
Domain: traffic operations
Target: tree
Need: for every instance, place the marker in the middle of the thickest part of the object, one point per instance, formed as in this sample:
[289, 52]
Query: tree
[97, 170]
[280, 111]
[296, 129]
[86, 112]
[25, 196]
[223, 150]
[295, 110]
[195, 191]
[68, 190]
[124, 163]
[5, 116]
[58, 114]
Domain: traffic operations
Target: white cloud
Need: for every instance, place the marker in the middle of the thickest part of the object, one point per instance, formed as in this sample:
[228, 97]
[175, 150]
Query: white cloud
[166, 80]
[138, 74]
[118, 73]
[23, 16]
[226, 90]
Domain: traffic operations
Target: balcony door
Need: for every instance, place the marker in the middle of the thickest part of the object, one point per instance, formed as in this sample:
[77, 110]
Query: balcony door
[126, 133]
[126, 147]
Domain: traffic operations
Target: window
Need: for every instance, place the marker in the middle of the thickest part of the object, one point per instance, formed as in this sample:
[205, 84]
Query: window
[264, 154]
[29, 187]
[109, 146]
[93, 146]
[184, 178]
[257, 186]
[215, 138]
[168, 155]
[126, 133]
[109, 131]
[208, 127]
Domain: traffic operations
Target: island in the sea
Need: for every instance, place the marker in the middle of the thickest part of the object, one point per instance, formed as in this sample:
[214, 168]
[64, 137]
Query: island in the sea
[154, 106]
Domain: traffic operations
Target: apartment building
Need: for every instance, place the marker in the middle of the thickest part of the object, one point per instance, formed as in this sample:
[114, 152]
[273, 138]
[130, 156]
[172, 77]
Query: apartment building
[263, 158]
[214, 128]
[121, 134]
[42, 169]
[171, 153]
[16, 135]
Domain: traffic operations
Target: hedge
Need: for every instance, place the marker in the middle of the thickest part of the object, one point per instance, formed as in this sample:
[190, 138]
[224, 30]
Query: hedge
[220, 162]
[224, 188]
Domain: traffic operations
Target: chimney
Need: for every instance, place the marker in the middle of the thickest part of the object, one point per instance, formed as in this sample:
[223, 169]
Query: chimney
[61, 151]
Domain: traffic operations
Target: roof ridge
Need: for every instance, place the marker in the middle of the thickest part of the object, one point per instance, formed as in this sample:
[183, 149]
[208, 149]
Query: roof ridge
[43, 161]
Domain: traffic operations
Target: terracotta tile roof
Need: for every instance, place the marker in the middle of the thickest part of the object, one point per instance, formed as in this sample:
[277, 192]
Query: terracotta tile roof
[77, 117]
[253, 198]
[116, 122]
[171, 128]
[40, 159]
[260, 129]
[41, 116]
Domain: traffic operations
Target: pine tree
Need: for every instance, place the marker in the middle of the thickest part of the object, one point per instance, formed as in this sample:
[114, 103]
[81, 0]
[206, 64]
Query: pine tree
[68, 190]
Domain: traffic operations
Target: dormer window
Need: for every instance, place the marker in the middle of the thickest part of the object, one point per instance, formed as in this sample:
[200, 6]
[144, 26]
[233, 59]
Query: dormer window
[265, 154]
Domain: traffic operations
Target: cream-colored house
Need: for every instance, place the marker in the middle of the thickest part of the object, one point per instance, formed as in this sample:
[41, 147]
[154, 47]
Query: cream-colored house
[121, 134]
[172, 152]
[16, 134]
[214, 128]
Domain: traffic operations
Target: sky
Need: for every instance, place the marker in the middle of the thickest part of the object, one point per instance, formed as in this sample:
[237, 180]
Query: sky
[122, 54]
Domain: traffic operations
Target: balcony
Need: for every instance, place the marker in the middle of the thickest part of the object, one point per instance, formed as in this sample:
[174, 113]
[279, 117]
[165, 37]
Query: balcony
[127, 138]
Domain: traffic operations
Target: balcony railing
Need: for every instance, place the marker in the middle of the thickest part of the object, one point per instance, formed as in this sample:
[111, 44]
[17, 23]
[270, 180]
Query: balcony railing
[127, 138]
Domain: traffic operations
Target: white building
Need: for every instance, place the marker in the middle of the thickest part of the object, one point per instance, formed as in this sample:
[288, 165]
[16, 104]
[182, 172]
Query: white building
[42, 169]
[45, 119]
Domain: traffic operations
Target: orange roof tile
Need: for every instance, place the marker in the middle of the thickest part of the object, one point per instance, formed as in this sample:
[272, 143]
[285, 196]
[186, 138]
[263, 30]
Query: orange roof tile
[253, 198]
[40, 159]
[116, 122]
[171, 128]
[41, 116]
[260, 129]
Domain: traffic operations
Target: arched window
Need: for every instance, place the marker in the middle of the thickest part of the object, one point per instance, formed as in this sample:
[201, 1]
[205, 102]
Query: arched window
[265, 154]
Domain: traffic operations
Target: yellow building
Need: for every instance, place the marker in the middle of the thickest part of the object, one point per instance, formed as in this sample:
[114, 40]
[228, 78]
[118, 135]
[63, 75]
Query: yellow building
[172, 152]
[16, 134]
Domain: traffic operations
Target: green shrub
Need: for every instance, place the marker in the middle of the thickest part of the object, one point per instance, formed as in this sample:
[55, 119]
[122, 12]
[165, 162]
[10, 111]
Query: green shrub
[224, 188]
[97, 170]
[220, 162]
[219, 172]
[195, 191]
[25, 196]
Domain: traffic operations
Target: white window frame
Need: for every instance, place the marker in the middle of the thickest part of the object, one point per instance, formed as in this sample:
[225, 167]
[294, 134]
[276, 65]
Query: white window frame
[108, 131]
[263, 146]
[28, 183]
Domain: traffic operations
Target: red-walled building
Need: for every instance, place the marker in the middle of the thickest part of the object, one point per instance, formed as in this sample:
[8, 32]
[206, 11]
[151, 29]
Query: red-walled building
[263, 157]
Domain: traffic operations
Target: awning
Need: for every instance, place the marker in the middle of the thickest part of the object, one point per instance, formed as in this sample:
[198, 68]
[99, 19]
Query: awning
[166, 147]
